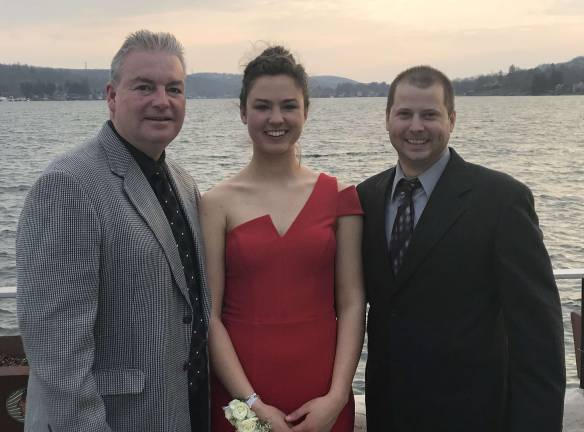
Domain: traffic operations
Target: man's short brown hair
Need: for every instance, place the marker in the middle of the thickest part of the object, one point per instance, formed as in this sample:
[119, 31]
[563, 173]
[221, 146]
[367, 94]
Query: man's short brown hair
[423, 77]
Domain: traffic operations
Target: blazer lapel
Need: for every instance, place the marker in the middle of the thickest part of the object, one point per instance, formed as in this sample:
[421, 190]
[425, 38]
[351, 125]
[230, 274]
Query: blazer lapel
[444, 207]
[144, 199]
[377, 215]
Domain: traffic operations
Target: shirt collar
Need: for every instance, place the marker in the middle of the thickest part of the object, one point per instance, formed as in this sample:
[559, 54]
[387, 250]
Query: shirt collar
[428, 178]
[148, 165]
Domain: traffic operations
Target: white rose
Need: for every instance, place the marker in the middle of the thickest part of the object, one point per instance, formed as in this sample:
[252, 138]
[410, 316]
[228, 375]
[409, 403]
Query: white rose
[247, 425]
[228, 413]
[239, 409]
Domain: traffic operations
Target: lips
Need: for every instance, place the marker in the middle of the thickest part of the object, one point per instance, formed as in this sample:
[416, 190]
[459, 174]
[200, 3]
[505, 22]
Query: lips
[276, 133]
[158, 118]
[416, 141]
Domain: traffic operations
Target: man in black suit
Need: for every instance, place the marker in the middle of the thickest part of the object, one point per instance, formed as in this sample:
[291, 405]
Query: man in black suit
[465, 328]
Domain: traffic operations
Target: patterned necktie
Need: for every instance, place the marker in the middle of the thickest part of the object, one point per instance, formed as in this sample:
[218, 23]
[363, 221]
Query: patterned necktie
[403, 227]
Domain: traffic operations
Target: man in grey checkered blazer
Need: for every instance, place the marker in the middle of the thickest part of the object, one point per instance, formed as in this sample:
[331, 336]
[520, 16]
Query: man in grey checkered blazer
[105, 310]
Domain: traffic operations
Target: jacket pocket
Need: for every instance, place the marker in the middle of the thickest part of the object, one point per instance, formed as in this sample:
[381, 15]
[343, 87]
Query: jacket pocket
[119, 381]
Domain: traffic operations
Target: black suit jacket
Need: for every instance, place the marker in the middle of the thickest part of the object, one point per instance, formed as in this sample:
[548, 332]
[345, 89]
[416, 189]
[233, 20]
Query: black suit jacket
[469, 335]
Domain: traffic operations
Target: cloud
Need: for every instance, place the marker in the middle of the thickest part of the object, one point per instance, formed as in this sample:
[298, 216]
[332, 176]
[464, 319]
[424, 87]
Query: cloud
[370, 40]
[27, 12]
[566, 7]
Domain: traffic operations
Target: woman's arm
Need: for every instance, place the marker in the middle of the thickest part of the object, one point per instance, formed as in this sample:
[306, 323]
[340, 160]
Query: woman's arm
[223, 357]
[321, 413]
[350, 305]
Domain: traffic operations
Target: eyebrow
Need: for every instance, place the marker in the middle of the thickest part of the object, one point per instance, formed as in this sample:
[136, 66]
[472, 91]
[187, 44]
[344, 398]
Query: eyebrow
[149, 81]
[267, 101]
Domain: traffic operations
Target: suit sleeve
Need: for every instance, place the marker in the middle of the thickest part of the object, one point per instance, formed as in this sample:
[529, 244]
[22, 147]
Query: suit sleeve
[58, 250]
[533, 320]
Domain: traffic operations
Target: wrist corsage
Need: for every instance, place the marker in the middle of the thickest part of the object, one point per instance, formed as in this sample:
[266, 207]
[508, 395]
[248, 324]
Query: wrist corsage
[243, 418]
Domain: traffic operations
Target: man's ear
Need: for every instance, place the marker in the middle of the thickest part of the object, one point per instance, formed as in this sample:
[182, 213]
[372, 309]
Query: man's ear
[110, 91]
[452, 118]
[243, 115]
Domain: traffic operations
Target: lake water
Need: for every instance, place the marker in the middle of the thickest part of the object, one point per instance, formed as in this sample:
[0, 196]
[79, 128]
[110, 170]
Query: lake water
[538, 140]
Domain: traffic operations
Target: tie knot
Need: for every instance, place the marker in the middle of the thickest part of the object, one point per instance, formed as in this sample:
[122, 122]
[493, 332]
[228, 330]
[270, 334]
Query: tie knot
[407, 186]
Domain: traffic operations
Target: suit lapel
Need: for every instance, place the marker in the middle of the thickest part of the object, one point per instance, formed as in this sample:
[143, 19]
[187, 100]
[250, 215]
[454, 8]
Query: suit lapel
[444, 207]
[377, 215]
[144, 199]
[142, 196]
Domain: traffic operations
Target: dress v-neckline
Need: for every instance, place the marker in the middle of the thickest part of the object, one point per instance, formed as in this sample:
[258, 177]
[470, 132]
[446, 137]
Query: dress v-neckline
[268, 216]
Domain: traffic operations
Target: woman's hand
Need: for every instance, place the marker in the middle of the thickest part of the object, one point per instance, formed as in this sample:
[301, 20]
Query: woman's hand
[272, 415]
[319, 414]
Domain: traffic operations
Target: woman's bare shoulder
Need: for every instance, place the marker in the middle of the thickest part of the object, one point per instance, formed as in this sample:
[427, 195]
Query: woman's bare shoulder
[226, 192]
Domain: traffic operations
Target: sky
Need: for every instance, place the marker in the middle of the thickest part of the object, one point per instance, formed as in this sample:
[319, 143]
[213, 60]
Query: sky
[365, 40]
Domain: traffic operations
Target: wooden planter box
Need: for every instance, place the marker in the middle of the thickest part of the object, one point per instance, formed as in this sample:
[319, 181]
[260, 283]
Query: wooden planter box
[12, 380]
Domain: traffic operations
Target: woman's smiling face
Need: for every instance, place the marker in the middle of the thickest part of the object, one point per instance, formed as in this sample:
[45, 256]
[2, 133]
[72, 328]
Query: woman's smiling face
[274, 113]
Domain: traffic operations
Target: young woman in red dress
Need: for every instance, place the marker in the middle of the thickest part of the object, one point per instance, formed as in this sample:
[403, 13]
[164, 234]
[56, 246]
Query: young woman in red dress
[283, 255]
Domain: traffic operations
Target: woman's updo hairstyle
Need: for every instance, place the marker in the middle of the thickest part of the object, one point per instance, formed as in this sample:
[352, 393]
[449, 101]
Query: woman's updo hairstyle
[274, 60]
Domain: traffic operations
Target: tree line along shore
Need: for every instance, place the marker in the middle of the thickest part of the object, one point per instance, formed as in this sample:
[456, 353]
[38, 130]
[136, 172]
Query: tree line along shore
[24, 82]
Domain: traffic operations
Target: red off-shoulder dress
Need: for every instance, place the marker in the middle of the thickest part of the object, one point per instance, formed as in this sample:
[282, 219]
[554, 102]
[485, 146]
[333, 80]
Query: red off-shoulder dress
[278, 304]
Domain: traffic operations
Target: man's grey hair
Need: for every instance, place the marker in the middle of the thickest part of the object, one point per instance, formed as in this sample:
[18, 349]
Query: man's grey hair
[145, 40]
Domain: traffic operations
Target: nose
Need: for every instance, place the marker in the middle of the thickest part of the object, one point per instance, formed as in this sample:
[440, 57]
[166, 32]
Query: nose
[276, 116]
[160, 98]
[417, 124]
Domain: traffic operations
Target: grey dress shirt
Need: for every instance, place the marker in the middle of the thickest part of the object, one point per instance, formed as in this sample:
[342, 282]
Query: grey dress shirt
[428, 179]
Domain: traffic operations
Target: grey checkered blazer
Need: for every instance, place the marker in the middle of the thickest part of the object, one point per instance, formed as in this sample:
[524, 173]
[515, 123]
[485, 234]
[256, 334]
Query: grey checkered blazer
[102, 295]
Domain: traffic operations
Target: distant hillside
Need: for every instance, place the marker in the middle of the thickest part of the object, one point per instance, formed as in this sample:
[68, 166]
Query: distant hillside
[59, 84]
[63, 84]
[546, 79]
[219, 85]
[41, 82]
[330, 81]
[213, 85]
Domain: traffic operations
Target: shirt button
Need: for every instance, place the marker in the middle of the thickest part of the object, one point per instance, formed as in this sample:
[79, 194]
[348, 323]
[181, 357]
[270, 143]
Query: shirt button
[187, 319]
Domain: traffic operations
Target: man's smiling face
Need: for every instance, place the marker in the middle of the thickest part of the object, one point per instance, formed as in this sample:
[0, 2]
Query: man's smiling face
[147, 105]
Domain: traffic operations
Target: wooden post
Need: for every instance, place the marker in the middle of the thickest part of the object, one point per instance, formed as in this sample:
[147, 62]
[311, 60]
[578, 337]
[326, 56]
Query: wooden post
[12, 380]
